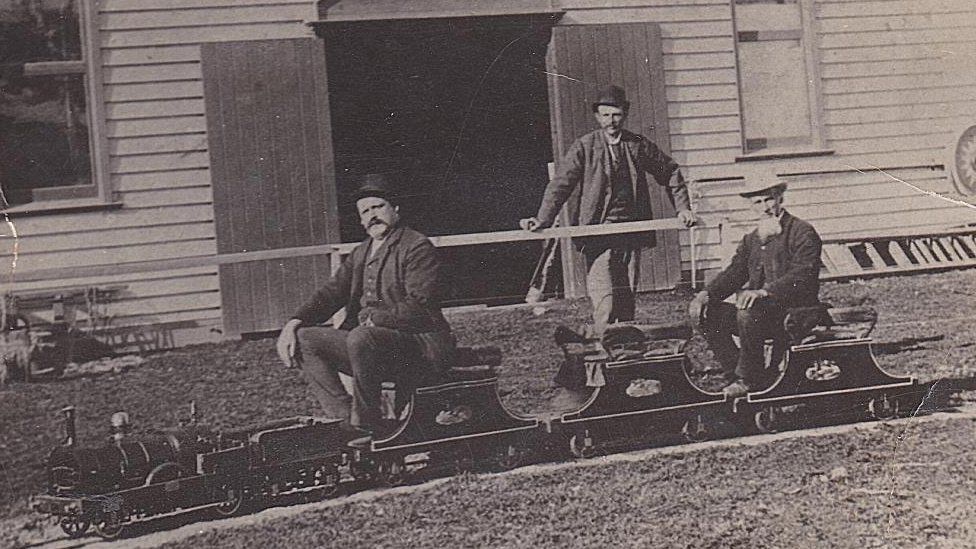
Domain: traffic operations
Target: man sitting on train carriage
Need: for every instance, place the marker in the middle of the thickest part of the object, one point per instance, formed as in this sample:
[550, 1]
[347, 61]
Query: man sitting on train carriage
[394, 328]
[775, 269]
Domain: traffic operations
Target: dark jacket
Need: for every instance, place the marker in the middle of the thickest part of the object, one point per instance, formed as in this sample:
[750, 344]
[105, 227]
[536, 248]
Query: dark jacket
[406, 290]
[587, 165]
[786, 265]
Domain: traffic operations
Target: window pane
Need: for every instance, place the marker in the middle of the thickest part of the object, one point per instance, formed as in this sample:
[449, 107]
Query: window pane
[774, 91]
[39, 30]
[43, 119]
[43, 135]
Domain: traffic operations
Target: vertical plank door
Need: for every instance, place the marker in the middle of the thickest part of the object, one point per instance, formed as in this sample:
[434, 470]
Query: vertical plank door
[582, 61]
[271, 163]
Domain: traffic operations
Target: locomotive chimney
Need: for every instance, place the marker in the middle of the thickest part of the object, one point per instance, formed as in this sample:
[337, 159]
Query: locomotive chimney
[70, 438]
[120, 425]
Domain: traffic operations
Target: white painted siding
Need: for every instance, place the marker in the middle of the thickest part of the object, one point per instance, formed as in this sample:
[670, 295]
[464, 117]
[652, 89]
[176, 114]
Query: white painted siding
[897, 76]
[157, 143]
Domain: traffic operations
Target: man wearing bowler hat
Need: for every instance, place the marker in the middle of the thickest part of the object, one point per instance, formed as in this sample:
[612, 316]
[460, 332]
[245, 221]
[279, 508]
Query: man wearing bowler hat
[775, 268]
[393, 330]
[614, 169]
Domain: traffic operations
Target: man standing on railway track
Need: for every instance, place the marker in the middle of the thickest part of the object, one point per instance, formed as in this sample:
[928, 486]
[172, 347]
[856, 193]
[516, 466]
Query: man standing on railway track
[775, 268]
[394, 328]
[611, 166]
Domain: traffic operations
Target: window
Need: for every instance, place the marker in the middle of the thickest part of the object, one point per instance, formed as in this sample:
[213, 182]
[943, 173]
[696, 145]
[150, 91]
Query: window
[44, 119]
[778, 88]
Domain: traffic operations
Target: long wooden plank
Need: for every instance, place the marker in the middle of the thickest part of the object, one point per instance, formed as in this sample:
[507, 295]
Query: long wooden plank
[831, 25]
[694, 61]
[161, 180]
[894, 128]
[167, 125]
[159, 162]
[82, 269]
[125, 146]
[152, 73]
[151, 91]
[94, 241]
[204, 16]
[157, 110]
[892, 8]
[150, 55]
[271, 30]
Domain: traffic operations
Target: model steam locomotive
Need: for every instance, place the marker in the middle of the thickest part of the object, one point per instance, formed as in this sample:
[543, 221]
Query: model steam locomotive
[639, 390]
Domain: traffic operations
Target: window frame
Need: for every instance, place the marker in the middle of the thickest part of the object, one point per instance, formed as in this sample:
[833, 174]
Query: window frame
[809, 44]
[97, 191]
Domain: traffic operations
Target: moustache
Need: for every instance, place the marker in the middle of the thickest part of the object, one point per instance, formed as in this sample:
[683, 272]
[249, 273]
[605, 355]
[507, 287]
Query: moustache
[376, 221]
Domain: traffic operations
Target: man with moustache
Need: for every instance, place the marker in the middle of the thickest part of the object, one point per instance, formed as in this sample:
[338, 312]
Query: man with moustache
[775, 268]
[393, 330]
[611, 166]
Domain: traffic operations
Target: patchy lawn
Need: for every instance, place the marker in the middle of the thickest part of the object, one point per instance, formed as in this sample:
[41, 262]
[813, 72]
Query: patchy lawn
[894, 486]
[926, 328]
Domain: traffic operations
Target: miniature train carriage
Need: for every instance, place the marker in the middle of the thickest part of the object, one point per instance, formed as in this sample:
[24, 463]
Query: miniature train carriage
[827, 374]
[188, 467]
[640, 389]
[454, 424]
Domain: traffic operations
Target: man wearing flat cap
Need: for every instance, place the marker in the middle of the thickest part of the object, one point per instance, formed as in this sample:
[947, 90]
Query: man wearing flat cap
[775, 268]
[614, 169]
[393, 329]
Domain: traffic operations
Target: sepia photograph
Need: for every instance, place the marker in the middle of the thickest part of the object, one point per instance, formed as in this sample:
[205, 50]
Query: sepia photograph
[488, 273]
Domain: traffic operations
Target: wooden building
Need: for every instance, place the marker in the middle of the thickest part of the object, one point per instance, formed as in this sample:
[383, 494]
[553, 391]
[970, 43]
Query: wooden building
[221, 130]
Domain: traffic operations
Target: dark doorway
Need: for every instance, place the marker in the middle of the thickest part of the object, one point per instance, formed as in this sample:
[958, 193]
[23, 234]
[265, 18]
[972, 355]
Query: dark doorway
[458, 109]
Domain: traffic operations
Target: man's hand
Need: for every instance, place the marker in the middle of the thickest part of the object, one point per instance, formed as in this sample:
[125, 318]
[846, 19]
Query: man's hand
[687, 217]
[288, 342]
[530, 224]
[696, 306]
[745, 299]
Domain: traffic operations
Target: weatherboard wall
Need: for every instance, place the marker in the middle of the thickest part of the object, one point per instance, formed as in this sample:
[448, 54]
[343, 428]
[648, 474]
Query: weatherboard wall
[897, 78]
[151, 82]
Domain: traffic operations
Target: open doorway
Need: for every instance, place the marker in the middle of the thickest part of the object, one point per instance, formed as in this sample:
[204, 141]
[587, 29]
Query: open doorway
[458, 109]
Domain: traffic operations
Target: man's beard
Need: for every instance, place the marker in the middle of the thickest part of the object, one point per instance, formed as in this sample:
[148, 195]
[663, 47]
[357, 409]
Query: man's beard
[769, 227]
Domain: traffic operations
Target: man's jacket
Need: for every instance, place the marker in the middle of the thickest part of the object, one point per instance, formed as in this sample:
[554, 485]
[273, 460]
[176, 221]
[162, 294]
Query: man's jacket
[786, 265]
[405, 295]
[587, 165]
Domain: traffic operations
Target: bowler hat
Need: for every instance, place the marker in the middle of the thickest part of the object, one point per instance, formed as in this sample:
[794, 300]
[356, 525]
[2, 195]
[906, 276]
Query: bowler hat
[379, 185]
[762, 182]
[614, 96]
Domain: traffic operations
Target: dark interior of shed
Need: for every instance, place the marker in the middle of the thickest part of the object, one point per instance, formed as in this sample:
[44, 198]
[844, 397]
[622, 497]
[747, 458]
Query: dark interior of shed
[457, 110]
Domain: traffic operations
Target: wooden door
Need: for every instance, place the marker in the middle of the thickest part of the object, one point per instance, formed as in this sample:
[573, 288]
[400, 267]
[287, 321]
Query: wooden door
[271, 162]
[583, 60]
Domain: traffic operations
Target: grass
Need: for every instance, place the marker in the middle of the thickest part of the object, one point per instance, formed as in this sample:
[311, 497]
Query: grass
[925, 329]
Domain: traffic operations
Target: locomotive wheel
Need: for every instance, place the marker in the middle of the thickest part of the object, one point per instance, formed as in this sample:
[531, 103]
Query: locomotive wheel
[109, 525]
[75, 527]
[883, 409]
[233, 499]
[765, 420]
[581, 445]
[507, 457]
[392, 472]
[363, 471]
[327, 478]
[696, 429]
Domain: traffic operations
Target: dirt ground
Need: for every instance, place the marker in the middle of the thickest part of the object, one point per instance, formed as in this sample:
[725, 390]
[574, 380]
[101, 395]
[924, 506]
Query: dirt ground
[925, 329]
[907, 486]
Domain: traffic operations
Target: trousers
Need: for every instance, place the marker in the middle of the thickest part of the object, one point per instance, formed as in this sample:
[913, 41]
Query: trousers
[370, 355]
[612, 276]
[753, 326]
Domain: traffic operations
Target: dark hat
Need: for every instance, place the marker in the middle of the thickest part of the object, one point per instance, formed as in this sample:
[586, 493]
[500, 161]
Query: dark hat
[379, 185]
[761, 182]
[614, 96]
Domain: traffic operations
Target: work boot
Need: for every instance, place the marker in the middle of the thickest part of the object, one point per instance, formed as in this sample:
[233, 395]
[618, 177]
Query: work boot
[565, 335]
